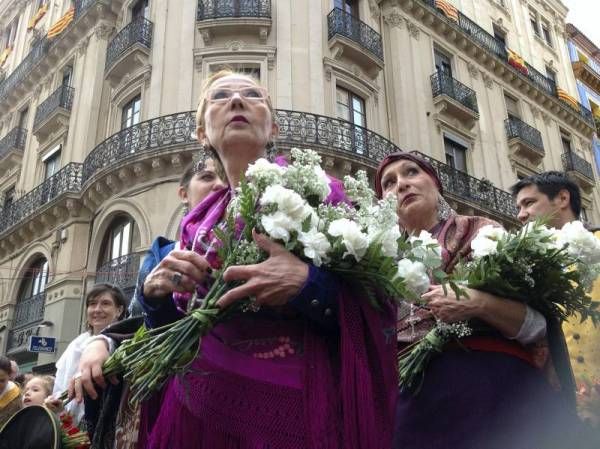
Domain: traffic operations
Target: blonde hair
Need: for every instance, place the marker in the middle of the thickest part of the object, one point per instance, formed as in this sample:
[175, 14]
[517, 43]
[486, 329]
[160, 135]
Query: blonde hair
[47, 382]
[202, 105]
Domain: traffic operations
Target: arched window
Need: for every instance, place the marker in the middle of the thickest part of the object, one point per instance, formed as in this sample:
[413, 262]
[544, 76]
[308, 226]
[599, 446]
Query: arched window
[118, 264]
[29, 310]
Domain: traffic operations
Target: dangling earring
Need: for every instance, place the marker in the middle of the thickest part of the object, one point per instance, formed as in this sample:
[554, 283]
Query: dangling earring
[185, 208]
[201, 155]
[271, 152]
[444, 210]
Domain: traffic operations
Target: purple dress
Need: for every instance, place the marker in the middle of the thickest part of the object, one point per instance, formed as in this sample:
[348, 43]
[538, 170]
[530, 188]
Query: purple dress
[283, 378]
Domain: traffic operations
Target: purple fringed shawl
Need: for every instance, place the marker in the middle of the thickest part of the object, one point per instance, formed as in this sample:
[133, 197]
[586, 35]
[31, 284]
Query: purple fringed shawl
[272, 380]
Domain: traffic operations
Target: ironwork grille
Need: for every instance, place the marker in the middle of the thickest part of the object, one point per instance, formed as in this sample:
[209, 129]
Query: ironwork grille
[573, 162]
[516, 128]
[221, 9]
[138, 31]
[345, 24]
[444, 84]
[29, 311]
[14, 140]
[60, 98]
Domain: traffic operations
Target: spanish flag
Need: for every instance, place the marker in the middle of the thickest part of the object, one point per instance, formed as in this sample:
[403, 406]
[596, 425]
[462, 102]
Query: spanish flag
[448, 9]
[37, 17]
[4, 55]
[62, 23]
[564, 96]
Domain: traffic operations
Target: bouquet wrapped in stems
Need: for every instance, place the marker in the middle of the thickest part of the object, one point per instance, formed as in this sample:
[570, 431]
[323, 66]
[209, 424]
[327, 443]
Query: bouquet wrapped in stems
[550, 270]
[361, 243]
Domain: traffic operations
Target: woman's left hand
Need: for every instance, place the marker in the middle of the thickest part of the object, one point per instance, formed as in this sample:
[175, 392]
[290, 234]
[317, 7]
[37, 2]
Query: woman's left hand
[272, 282]
[447, 308]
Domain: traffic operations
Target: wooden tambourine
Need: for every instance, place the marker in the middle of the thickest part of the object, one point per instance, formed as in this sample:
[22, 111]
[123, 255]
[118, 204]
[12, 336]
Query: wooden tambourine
[33, 427]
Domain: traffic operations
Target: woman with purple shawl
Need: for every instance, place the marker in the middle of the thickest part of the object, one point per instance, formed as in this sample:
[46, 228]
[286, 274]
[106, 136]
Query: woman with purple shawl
[489, 391]
[292, 374]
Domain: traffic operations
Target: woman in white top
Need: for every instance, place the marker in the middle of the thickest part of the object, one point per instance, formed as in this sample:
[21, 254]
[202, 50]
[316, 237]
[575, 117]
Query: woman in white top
[105, 304]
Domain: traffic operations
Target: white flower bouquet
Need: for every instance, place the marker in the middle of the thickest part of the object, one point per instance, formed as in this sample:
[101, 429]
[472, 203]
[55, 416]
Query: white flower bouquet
[361, 243]
[550, 270]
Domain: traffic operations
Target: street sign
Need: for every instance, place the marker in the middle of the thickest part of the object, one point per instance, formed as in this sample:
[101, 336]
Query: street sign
[42, 344]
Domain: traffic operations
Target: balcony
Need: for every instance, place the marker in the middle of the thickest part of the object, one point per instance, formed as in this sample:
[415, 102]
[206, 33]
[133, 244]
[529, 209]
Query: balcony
[52, 115]
[11, 149]
[66, 180]
[580, 169]
[474, 192]
[354, 39]
[233, 17]
[492, 54]
[454, 100]
[129, 49]
[121, 272]
[45, 53]
[525, 143]
[587, 74]
[28, 313]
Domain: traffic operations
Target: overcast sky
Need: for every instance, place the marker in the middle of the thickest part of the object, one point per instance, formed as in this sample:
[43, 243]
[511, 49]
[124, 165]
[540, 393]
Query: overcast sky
[585, 15]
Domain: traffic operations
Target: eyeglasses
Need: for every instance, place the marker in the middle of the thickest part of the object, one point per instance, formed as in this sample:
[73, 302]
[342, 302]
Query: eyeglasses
[224, 94]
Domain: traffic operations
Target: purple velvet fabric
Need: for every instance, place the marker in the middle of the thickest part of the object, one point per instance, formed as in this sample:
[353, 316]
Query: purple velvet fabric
[274, 380]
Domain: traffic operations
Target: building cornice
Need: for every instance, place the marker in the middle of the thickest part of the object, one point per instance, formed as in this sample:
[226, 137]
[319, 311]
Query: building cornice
[583, 41]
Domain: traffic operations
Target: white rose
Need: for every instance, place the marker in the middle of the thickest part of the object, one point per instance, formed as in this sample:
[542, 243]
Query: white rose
[388, 240]
[262, 168]
[287, 201]
[486, 241]
[278, 226]
[581, 243]
[353, 239]
[428, 251]
[414, 275]
[315, 245]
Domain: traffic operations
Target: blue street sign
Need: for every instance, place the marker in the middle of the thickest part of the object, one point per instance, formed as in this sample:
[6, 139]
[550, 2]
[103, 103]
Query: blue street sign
[42, 344]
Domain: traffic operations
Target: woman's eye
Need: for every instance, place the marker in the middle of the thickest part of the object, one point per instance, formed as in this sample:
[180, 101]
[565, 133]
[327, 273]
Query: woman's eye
[220, 94]
[252, 93]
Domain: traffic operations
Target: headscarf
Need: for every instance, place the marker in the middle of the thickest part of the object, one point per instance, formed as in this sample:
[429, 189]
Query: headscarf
[401, 155]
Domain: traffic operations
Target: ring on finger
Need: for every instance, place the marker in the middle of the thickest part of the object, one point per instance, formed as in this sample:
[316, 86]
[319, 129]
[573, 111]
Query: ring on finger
[253, 305]
[176, 278]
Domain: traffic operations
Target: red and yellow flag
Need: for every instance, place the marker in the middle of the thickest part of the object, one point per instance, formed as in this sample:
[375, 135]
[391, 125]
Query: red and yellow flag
[448, 9]
[517, 61]
[62, 23]
[564, 96]
[37, 17]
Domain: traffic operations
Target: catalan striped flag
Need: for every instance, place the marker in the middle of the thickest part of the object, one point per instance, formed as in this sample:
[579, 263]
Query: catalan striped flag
[448, 9]
[4, 55]
[37, 17]
[517, 61]
[564, 96]
[62, 23]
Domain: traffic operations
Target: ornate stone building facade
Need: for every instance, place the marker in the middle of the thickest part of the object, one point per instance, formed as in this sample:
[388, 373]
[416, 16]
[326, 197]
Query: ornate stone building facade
[96, 123]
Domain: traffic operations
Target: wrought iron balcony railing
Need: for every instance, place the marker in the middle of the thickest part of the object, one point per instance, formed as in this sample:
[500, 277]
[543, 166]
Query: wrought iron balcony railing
[516, 128]
[573, 162]
[66, 180]
[121, 271]
[444, 84]
[225, 9]
[82, 5]
[60, 98]
[29, 311]
[37, 53]
[14, 140]
[469, 188]
[497, 48]
[138, 31]
[156, 133]
[332, 134]
[345, 24]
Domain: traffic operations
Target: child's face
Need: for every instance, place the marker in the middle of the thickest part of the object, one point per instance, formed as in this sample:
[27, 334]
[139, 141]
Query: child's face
[35, 393]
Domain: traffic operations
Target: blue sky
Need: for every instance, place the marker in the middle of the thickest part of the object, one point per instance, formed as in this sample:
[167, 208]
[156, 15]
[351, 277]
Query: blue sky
[585, 15]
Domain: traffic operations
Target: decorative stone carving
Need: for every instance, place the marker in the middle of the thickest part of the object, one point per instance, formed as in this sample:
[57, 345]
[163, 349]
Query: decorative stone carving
[263, 33]
[328, 74]
[235, 45]
[103, 31]
[535, 111]
[198, 62]
[487, 80]
[413, 29]
[394, 18]
[545, 117]
[206, 37]
[473, 70]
